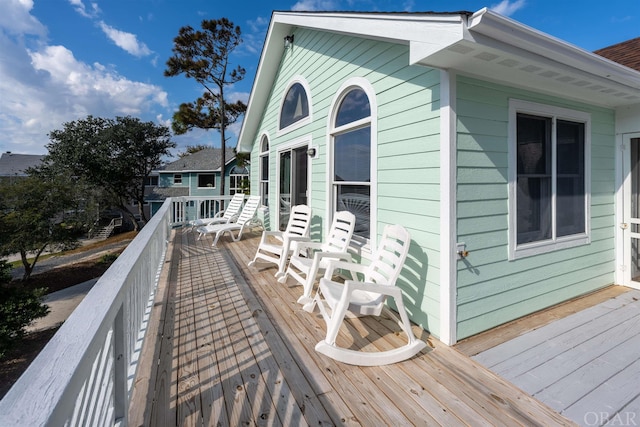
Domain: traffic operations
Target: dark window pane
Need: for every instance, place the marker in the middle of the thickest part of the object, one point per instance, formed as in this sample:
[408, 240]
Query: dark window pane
[354, 106]
[353, 155]
[295, 106]
[534, 145]
[570, 149]
[534, 209]
[570, 209]
[206, 180]
[357, 200]
[264, 169]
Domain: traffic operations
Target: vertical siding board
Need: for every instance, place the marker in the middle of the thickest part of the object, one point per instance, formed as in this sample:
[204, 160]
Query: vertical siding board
[491, 289]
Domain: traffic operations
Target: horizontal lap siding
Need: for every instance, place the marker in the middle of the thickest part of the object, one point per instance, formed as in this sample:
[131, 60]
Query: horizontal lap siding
[407, 98]
[491, 289]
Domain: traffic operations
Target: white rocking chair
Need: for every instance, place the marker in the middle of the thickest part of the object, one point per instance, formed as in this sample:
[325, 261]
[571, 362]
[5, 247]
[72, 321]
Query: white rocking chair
[244, 220]
[223, 217]
[311, 258]
[367, 297]
[275, 246]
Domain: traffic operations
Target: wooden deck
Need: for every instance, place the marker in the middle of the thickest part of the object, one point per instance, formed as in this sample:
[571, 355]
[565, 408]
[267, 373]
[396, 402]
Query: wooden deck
[234, 348]
[585, 365]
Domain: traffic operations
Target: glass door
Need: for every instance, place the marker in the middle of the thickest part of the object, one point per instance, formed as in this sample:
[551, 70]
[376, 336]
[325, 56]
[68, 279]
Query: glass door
[293, 181]
[631, 223]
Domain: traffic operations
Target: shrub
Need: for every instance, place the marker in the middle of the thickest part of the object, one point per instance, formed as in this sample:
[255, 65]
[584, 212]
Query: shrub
[18, 308]
[108, 259]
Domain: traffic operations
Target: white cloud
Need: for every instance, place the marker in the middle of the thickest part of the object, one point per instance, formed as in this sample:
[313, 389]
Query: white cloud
[126, 41]
[508, 8]
[79, 6]
[313, 5]
[43, 88]
[15, 18]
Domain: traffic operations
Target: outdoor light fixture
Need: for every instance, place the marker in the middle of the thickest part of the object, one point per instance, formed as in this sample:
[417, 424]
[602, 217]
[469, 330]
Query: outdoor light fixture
[288, 41]
[311, 152]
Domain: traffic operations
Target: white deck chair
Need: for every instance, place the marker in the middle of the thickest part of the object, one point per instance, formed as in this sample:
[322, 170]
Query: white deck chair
[306, 268]
[244, 219]
[367, 297]
[223, 217]
[275, 246]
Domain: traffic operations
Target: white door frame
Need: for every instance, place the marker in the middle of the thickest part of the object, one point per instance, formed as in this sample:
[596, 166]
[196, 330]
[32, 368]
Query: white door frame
[625, 223]
[297, 143]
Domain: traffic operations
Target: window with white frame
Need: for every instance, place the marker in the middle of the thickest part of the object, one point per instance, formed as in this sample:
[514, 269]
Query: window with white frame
[264, 170]
[177, 178]
[206, 180]
[548, 177]
[351, 172]
[238, 180]
[295, 106]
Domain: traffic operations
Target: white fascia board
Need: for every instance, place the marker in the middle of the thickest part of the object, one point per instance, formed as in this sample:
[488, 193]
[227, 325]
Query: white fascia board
[506, 30]
[265, 76]
[426, 34]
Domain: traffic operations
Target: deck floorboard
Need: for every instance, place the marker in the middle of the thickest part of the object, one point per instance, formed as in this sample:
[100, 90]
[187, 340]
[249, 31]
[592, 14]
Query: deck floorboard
[584, 365]
[242, 352]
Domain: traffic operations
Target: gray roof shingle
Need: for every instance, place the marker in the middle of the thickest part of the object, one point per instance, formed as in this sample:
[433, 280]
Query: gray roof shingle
[203, 160]
[16, 164]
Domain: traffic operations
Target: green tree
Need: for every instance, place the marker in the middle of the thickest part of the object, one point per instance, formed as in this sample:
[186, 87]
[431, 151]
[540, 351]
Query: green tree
[37, 214]
[114, 156]
[205, 57]
[190, 149]
[18, 308]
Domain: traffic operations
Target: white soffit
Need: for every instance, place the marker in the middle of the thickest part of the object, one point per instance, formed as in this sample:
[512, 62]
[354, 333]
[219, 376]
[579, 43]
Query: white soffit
[503, 51]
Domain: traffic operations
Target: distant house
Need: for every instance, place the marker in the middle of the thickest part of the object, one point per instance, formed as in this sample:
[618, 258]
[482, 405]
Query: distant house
[512, 157]
[15, 165]
[196, 174]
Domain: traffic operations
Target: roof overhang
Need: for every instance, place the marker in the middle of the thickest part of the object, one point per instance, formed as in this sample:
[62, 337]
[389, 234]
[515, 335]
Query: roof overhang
[484, 44]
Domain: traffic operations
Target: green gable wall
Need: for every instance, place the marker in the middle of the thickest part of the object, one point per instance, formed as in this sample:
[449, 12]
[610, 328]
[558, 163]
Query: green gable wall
[491, 289]
[407, 153]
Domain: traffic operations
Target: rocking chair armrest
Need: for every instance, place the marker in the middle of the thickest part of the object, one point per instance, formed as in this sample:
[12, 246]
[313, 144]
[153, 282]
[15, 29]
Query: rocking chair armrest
[305, 243]
[352, 285]
[334, 255]
[276, 234]
[343, 265]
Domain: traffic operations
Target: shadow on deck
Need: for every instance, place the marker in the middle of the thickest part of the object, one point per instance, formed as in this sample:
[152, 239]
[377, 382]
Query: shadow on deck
[233, 347]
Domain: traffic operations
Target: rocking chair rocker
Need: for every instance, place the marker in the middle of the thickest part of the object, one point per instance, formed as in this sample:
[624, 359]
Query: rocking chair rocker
[367, 297]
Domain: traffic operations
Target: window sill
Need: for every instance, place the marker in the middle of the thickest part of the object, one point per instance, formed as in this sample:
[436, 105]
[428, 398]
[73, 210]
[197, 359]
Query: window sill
[538, 248]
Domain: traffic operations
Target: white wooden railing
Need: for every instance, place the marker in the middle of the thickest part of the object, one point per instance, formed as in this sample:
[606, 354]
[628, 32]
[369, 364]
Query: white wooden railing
[185, 209]
[83, 376]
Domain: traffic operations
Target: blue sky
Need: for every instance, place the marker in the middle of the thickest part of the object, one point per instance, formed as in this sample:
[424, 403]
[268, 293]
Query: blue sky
[61, 60]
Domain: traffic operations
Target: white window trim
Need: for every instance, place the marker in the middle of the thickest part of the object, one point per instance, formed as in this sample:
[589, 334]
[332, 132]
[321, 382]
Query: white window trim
[262, 154]
[534, 248]
[302, 81]
[365, 246]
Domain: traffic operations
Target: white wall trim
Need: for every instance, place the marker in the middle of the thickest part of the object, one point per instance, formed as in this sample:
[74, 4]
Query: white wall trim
[448, 231]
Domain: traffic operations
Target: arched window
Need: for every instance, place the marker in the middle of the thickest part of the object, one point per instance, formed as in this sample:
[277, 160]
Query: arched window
[264, 170]
[238, 180]
[351, 177]
[295, 106]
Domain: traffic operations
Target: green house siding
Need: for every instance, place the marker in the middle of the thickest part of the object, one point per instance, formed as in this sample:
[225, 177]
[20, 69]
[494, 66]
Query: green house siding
[408, 161]
[491, 289]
